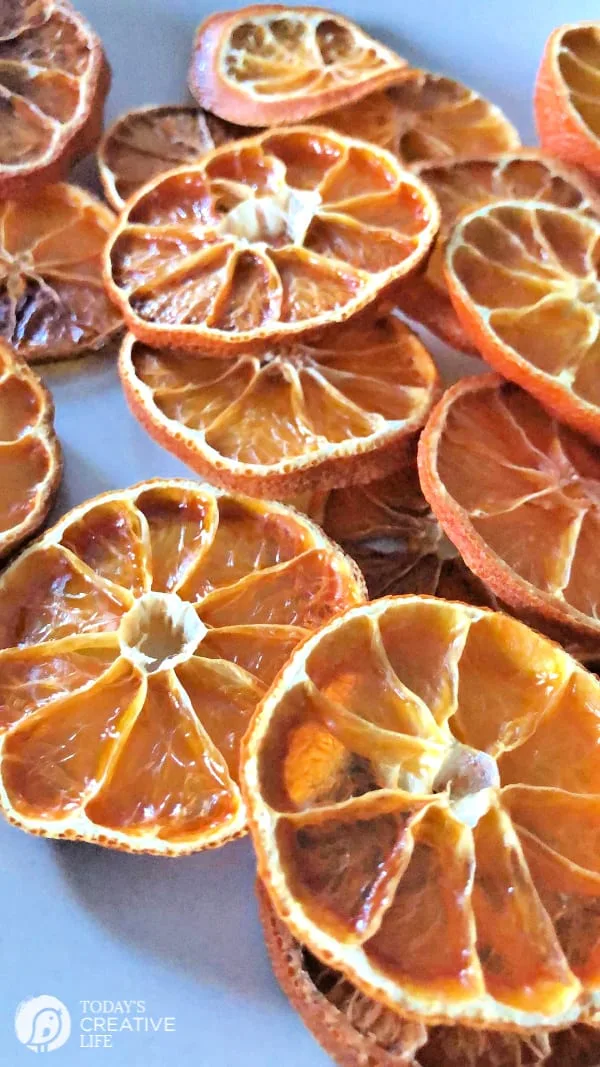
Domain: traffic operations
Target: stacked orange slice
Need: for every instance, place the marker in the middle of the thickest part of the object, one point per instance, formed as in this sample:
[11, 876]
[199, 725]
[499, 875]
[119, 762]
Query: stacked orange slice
[567, 95]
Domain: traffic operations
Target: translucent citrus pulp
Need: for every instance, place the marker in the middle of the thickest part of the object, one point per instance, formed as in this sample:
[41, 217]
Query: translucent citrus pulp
[54, 79]
[30, 458]
[294, 417]
[567, 95]
[266, 238]
[523, 278]
[52, 299]
[269, 64]
[136, 638]
[422, 783]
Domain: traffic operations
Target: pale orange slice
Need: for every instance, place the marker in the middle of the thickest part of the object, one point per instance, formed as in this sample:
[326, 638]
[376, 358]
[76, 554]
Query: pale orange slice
[567, 95]
[136, 638]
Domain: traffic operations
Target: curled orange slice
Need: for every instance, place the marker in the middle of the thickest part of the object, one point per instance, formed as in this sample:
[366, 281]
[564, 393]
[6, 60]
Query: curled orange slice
[136, 638]
[523, 278]
[423, 791]
[292, 418]
[269, 64]
[567, 95]
[266, 238]
[54, 79]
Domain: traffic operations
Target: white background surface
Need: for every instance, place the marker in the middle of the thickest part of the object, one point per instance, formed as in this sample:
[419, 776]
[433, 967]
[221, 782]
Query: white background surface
[83, 923]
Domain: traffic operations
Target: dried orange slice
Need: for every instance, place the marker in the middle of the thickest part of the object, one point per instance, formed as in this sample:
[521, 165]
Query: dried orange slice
[30, 457]
[292, 418]
[271, 236]
[147, 141]
[54, 79]
[423, 791]
[523, 278]
[136, 637]
[52, 299]
[462, 184]
[269, 64]
[567, 95]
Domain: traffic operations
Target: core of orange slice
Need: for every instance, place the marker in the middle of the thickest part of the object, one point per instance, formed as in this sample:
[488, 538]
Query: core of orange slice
[523, 278]
[462, 184]
[52, 299]
[269, 64]
[30, 457]
[296, 417]
[54, 78]
[423, 791]
[136, 638]
[567, 95]
[271, 236]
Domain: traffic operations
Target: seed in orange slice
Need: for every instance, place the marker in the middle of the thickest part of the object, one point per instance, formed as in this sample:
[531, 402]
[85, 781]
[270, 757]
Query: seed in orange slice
[567, 95]
[269, 237]
[523, 278]
[136, 638]
[434, 857]
[52, 299]
[339, 410]
[462, 184]
[54, 78]
[269, 64]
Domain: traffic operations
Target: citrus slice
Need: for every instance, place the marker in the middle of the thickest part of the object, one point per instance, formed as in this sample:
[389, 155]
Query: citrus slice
[147, 141]
[462, 184]
[136, 637]
[523, 278]
[269, 64]
[52, 299]
[266, 238]
[293, 417]
[423, 791]
[30, 458]
[355, 1029]
[54, 79]
[567, 95]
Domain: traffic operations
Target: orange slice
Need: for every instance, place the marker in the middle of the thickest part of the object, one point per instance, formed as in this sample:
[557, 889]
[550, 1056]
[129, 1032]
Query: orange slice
[292, 418]
[30, 457]
[54, 78]
[147, 141]
[268, 64]
[567, 95]
[136, 638]
[267, 238]
[523, 278]
[423, 791]
[52, 299]
[462, 184]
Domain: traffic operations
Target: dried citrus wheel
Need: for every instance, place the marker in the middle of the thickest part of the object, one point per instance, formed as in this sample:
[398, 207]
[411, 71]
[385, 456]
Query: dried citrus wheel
[423, 791]
[54, 79]
[567, 95]
[136, 638]
[150, 140]
[294, 417]
[269, 64]
[355, 1029]
[523, 278]
[52, 299]
[268, 237]
[462, 184]
[30, 458]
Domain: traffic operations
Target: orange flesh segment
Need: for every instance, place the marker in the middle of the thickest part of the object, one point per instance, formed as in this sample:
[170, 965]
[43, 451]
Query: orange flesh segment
[110, 540]
[24, 466]
[179, 529]
[579, 65]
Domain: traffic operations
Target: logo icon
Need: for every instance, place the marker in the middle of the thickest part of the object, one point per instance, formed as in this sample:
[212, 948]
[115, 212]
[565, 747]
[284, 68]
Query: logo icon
[43, 1023]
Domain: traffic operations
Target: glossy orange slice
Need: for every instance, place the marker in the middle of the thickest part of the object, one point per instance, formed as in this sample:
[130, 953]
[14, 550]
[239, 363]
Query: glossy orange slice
[265, 239]
[54, 78]
[523, 278]
[293, 418]
[136, 638]
[423, 790]
[269, 64]
[567, 95]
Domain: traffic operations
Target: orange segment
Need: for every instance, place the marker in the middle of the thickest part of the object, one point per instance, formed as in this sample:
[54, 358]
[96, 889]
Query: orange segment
[112, 541]
[260, 650]
[567, 94]
[180, 525]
